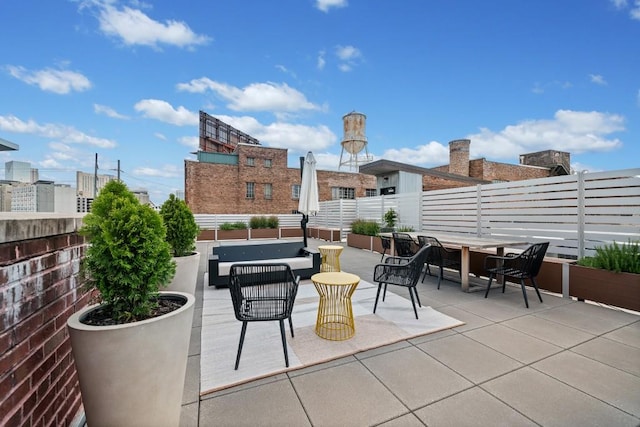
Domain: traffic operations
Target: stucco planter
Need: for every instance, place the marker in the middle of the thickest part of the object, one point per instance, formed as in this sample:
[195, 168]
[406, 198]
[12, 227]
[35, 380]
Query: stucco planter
[607, 287]
[133, 374]
[186, 275]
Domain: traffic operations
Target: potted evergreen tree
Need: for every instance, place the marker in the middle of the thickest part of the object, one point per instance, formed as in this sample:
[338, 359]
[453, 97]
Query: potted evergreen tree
[182, 231]
[130, 350]
[390, 217]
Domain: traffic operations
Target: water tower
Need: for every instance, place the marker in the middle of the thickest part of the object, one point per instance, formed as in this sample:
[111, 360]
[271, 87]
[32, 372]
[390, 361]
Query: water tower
[354, 141]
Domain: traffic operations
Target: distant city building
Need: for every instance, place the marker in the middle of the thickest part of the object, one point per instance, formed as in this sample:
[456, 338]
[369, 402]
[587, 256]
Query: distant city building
[142, 195]
[180, 194]
[83, 204]
[37, 197]
[64, 199]
[5, 196]
[87, 182]
[20, 172]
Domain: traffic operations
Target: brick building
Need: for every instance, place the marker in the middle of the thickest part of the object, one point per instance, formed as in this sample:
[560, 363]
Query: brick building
[235, 174]
[461, 171]
[256, 179]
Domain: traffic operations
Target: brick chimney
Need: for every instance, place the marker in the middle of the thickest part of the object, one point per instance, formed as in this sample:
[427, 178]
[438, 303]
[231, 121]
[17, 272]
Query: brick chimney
[459, 157]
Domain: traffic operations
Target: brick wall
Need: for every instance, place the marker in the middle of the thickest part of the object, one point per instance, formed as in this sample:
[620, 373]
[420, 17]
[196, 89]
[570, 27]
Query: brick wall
[220, 189]
[39, 263]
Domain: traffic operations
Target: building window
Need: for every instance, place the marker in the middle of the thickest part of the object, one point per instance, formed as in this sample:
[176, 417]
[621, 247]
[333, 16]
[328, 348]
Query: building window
[251, 190]
[251, 161]
[267, 163]
[343, 193]
[268, 191]
[295, 191]
[371, 192]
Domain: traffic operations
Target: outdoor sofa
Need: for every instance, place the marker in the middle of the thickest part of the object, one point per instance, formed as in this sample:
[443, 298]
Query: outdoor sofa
[303, 261]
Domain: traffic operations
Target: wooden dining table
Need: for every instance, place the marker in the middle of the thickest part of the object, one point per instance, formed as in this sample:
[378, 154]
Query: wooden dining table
[466, 242]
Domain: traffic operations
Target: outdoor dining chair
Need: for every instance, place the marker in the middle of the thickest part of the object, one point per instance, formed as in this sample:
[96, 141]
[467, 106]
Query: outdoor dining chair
[440, 256]
[263, 292]
[404, 244]
[401, 271]
[386, 246]
[525, 265]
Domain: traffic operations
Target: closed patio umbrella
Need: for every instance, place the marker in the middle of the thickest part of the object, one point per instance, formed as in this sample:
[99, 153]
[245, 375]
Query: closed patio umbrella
[308, 203]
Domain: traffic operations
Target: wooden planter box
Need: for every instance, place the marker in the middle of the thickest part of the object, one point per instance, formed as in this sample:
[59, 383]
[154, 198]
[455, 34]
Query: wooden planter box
[360, 241]
[264, 233]
[607, 287]
[233, 234]
[291, 232]
[207, 235]
[328, 234]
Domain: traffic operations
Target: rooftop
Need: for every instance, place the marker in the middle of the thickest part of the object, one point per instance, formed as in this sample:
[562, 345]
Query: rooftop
[562, 362]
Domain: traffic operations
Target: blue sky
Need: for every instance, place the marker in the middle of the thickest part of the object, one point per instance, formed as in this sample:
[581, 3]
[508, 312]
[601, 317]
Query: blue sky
[126, 79]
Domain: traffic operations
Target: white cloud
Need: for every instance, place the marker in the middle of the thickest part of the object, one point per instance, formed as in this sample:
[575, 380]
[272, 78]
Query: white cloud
[109, 112]
[164, 112]
[254, 97]
[539, 88]
[634, 10]
[134, 27]
[192, 142]
[160, 136]
[572, 131]
[297, 138]
[167, 171]
[325, 5]
[62, 133]
[50, 80]
[350, 57]
[321, 62]
[597, 79]
[431, 154]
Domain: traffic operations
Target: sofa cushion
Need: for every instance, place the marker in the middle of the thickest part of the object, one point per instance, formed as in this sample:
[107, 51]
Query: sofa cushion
[296, 263]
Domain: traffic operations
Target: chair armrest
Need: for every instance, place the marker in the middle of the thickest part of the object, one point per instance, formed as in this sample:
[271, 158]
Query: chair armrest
[495, 259]
[396, 260]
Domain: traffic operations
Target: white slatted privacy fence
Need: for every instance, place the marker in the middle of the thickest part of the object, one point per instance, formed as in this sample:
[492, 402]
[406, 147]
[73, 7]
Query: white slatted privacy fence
[575, 213]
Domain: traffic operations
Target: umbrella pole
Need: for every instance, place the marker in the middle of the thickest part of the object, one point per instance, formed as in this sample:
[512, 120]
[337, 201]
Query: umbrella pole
[303, 224]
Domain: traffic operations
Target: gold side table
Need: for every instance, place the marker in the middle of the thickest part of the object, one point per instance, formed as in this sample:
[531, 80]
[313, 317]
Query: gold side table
[335, 313]
[330, 257]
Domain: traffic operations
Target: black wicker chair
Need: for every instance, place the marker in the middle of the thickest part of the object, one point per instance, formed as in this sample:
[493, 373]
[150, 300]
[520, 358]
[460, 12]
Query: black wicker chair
[263, 292]
[441, 257]
[404, 244]
[401, 271]
[386, 246]
[523, 266]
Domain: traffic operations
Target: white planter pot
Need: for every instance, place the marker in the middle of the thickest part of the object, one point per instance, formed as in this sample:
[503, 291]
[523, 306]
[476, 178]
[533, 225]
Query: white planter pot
[133, 374]
[186, 274]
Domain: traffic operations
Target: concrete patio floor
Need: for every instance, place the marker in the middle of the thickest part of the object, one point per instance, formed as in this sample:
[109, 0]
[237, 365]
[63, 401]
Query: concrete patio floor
[559, 363]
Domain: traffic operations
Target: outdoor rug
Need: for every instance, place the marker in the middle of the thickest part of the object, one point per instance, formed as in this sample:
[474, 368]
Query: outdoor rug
[262, 353]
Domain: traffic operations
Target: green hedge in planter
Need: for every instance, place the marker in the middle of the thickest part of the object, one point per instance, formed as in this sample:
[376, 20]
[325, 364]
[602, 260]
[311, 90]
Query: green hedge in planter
[368, 228]
[238, 225]
[263, 222]
[619, 258]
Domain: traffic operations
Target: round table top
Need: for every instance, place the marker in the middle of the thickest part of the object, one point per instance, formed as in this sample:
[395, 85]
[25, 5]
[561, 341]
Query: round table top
[338, 278]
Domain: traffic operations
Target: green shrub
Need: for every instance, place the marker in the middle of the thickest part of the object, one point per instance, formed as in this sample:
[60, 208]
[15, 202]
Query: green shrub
[367, 228]
[238, 225]
[264, 222]
[614, 257]
[273, 222]
[128, 258]
[405, 229]
[390, 218]
[182, 229]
